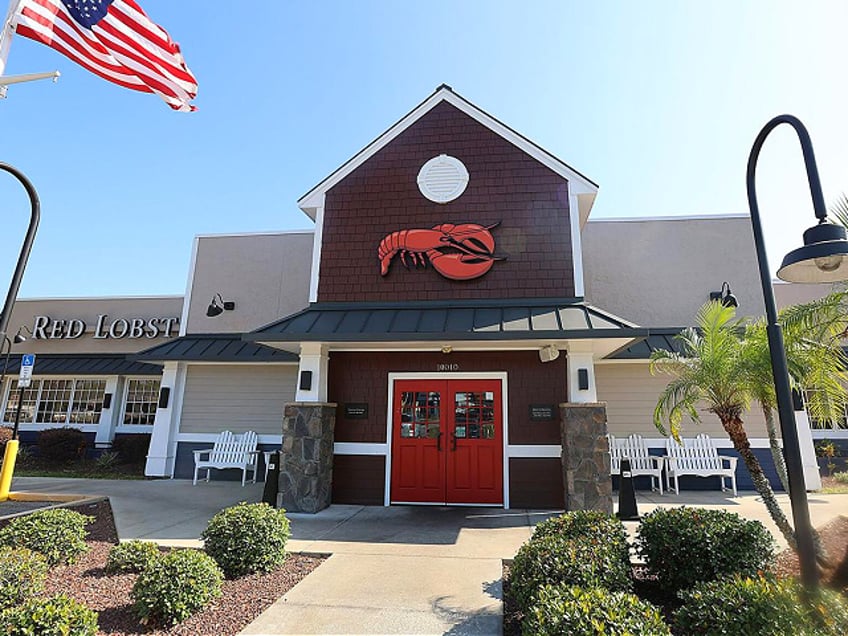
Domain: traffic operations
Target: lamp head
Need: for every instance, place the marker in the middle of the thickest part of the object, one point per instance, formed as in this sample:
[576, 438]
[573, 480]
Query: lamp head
[218, 305]
[725, 296]
[823, 259]
[19, 337]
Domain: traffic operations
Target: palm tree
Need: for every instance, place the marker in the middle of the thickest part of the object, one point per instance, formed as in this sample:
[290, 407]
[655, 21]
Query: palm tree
[711, 369]
[812, 334]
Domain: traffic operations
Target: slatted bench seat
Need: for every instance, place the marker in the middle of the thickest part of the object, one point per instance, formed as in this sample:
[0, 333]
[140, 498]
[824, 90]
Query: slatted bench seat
[642, 462]
[697, 456]
[229, 451]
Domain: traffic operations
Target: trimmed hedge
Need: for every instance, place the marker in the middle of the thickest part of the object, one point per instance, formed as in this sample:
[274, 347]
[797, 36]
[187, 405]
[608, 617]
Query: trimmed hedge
[764, 606]
[132, 448]
[583, 523]
[684, 546]
[61, 444]
[58, 534]
[577, 611]
[55, 616]
[247, 538]
[586, 562]
[175, 586]
[22, 574]
[131, 556]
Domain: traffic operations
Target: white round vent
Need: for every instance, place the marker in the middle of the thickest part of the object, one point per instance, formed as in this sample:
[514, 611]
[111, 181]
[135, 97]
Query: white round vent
[442, 179]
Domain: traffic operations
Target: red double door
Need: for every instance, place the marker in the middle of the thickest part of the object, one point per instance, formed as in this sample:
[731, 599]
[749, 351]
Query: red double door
[447, 442]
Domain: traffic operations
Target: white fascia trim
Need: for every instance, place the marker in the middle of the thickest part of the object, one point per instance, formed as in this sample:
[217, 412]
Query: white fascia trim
[200, 363]
[360, 448]
[189, 285]
[317, 241]
[692, 217]
[576, 245]
[85, 428]
[718, 442]
[77, 298]
[211, 437]
[534, 450]
[251, 234]
[578, 184]
[452, 375]
[124, 429]
[822, 433]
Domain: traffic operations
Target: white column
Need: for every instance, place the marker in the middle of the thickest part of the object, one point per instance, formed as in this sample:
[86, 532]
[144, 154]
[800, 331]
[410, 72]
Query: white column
[106, 425]
[812, 478]
[314, 360]
[162, 453]
[580, 359]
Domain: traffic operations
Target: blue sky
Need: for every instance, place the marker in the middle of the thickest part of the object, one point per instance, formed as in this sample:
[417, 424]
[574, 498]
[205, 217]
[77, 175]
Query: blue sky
[658, 102]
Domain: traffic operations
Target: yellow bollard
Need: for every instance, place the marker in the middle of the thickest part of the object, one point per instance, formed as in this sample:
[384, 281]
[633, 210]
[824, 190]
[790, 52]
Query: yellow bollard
[8, 468]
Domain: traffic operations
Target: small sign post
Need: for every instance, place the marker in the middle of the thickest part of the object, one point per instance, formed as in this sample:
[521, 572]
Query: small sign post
[24, 380]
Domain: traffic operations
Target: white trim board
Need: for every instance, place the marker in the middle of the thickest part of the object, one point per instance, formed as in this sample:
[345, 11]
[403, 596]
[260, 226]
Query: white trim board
[578, 183]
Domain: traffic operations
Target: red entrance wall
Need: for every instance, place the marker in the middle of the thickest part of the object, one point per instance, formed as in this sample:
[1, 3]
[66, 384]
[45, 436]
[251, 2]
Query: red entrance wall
[505, 185]
[363, 377]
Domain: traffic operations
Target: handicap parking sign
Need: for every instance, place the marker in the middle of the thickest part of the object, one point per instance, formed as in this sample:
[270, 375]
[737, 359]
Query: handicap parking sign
[27, 364]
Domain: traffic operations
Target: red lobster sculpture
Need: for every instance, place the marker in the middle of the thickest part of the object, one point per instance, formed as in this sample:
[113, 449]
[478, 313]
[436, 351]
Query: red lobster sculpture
[459, 252]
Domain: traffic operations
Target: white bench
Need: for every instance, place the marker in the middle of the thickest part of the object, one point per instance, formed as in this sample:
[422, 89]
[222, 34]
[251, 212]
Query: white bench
[697, 456]
[641, 461]
[229, 451]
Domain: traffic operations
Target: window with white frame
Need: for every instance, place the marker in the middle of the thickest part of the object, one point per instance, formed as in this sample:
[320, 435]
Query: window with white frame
[141, 400]
[57, 401]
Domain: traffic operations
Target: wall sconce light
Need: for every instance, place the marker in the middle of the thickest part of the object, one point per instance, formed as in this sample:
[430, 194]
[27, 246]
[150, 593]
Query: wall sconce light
[548, 353]
[725, 296]
[218, 305]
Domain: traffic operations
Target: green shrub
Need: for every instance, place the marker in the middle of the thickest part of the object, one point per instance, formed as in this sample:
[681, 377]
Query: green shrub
[582, 561]
[5, 436]
[61, 444]
[59, 534]
[247, 538]
[684, 546]
[175, 586]
[131, 556]
[22, 574]
[583, 523]
[578, 611]
[132, 449]
[106, 461]
[842, 478]
[742, 606]
[55, 616]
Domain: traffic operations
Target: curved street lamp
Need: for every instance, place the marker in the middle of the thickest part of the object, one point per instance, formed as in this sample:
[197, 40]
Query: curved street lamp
[11, 450]
[824, 258]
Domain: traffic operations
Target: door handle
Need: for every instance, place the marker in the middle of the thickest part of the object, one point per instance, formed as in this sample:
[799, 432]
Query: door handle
[453, 439]
[439, 442]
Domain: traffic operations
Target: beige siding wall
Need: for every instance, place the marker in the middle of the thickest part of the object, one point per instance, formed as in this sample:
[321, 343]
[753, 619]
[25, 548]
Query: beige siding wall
[237, 398]
[631, 393]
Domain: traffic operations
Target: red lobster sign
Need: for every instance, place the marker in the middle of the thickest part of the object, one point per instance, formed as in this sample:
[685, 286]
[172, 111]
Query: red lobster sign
[458, 252]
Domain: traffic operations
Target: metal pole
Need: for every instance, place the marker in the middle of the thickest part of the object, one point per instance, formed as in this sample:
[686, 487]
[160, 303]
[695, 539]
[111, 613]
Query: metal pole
[18, 413]
[786, 416]
[26, 247]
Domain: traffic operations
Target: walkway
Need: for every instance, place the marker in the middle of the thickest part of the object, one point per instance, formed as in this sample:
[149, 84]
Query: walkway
[398, 570]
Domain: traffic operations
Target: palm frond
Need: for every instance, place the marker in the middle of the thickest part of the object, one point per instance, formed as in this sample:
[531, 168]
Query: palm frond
[840, 210]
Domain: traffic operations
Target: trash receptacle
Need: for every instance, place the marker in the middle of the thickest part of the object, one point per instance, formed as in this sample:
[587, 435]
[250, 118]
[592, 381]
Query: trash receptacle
[272, 481]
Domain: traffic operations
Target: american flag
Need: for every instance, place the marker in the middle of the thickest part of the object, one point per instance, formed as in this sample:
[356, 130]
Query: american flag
[115, 40]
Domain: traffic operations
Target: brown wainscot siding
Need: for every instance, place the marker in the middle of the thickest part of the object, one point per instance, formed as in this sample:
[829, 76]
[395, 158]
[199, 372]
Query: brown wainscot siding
[505, 186]
[359, 479]
[363, 378]
[536, 483]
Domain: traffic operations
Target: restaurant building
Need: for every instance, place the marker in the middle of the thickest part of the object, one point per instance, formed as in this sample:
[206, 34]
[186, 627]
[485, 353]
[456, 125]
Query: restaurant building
[420, 341]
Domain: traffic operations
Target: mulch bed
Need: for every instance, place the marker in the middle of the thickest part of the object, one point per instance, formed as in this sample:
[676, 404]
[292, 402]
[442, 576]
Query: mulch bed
[242, 599]
[834, 537]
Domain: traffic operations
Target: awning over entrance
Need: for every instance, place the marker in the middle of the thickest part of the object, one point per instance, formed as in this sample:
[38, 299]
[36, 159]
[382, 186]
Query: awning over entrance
[212, 348]
[547, 319]
[71, 364]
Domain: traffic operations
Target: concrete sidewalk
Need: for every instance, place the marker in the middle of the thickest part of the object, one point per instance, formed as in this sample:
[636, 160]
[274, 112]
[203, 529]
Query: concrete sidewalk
[397, 570]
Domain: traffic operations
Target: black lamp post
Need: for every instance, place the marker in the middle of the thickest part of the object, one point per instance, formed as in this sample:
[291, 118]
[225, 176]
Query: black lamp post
[824, 258]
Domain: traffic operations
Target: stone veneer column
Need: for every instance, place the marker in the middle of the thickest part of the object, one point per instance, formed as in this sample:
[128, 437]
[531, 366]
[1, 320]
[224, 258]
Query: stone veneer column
[585, 456]
[306, 464]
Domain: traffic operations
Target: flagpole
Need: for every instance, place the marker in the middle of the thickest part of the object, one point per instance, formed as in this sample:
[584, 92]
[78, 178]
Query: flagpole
[7, 33]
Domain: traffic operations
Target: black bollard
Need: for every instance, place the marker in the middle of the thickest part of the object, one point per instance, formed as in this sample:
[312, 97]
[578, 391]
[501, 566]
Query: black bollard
[272, 482]
[626, 494]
